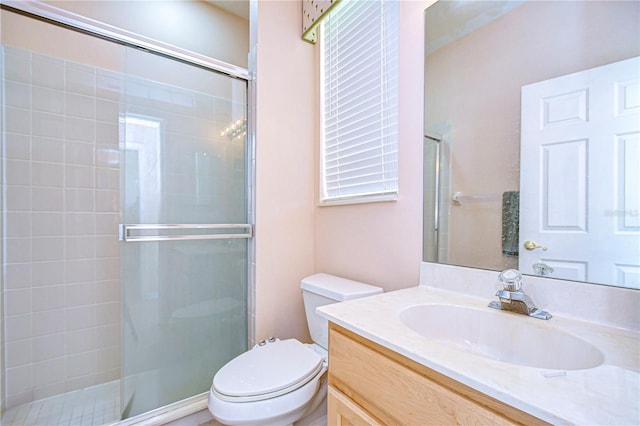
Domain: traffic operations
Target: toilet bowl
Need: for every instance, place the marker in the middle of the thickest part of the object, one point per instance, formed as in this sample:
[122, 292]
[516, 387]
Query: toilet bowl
[279, 382]
[275, 383]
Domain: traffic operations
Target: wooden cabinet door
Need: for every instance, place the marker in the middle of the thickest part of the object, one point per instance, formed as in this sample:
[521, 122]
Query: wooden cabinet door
[341, 411]
[379, 386]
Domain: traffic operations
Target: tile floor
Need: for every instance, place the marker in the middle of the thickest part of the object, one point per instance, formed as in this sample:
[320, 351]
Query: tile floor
[100, 405]
[97, 405]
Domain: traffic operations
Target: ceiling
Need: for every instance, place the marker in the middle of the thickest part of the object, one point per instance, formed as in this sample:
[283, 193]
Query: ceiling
[236, 7]
[448, 21]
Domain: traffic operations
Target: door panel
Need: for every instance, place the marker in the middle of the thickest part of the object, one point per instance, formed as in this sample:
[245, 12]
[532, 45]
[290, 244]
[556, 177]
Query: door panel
[563, 200]
[184, 207]
[580, 162]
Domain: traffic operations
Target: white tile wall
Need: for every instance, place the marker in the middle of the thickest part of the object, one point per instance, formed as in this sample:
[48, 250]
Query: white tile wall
[62, 135]
[62, 291]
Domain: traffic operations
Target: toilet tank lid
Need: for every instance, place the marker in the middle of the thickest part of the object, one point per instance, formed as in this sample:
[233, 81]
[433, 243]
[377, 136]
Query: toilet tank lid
[337, 288]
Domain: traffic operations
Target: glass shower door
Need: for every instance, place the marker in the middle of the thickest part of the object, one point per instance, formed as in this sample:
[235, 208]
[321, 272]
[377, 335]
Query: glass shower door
[184, 204]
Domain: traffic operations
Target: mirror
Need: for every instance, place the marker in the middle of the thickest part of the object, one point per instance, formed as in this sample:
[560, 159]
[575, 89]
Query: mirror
[520, 170]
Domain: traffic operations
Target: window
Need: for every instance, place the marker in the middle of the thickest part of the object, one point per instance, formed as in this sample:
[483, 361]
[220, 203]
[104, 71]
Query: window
[359, 54]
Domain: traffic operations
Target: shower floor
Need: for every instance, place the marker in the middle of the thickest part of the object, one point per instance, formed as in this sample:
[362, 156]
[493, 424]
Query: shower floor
[97, 405]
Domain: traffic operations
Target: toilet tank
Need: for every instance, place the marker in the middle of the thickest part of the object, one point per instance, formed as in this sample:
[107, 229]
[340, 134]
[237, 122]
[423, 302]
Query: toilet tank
[323, 289]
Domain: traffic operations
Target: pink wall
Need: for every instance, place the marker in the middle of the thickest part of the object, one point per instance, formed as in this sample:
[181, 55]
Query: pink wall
[211, 31]
[287, 105]
[381, 243]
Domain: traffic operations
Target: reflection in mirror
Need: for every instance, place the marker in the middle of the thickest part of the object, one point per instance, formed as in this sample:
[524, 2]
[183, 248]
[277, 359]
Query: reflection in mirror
[532, 138]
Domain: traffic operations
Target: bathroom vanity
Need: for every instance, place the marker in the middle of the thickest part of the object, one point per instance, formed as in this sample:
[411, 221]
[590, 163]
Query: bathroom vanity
[391, 363]
[370, 384]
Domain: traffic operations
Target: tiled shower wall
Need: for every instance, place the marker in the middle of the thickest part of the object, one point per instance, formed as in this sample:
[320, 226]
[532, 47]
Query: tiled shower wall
[61, 276]
[63, 132]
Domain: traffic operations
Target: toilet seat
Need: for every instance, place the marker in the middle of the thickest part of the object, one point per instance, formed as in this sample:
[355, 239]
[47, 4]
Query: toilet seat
[267, 371]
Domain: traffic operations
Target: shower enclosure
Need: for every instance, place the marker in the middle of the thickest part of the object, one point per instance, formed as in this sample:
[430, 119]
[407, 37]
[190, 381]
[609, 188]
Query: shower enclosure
[125, 224]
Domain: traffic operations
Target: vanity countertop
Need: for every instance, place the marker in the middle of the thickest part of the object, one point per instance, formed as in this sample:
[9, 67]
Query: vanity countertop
[604, 395]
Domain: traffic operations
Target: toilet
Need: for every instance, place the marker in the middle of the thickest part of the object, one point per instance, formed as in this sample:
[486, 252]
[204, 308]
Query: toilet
[279, 382]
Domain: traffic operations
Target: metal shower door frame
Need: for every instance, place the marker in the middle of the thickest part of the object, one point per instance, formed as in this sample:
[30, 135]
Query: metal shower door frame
[73, 21]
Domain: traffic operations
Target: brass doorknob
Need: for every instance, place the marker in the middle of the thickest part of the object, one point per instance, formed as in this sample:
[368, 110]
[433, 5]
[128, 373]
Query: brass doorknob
[530, 245]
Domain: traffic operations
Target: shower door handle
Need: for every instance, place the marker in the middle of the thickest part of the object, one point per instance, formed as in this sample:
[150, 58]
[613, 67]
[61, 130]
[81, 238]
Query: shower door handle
[213, 231]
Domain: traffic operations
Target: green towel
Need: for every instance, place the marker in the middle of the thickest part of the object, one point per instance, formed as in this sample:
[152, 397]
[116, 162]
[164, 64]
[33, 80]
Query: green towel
[510, 222]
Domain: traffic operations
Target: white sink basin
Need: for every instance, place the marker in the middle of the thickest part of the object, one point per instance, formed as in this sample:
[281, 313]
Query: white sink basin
[502, 336]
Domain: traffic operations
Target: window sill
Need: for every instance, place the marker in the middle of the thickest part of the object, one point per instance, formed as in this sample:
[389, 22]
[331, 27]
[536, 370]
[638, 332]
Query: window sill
[358, 200]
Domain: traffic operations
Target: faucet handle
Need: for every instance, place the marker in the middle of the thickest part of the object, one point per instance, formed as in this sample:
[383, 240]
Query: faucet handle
[511, 279]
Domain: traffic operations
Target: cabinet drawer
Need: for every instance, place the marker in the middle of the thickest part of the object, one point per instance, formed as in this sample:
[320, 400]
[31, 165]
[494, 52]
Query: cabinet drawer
[395, 393]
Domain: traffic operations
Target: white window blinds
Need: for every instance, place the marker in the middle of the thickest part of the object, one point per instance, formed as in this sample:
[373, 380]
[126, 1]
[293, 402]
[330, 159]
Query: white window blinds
[360, 102]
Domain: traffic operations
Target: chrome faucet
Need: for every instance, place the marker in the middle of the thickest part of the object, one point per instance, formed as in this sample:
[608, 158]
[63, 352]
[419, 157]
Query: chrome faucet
[513, 298]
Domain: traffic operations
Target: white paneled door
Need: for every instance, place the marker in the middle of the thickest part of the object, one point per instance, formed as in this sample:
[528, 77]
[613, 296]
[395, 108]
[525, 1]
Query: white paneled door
[580, 162]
